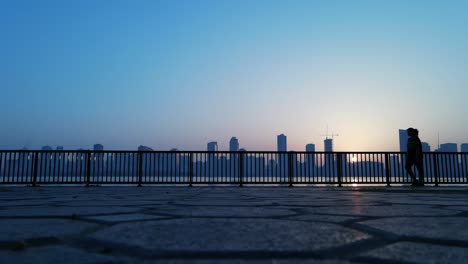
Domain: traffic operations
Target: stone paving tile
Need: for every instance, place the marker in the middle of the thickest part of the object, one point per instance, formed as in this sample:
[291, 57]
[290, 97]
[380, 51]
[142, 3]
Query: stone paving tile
[54, 254]
[393, 210]
[123, 217]
[64, 211]
[231, 211]
[323, 218]
[420, 253]
[24, 229]
[226, 235]
[447, 228]
[241, 261]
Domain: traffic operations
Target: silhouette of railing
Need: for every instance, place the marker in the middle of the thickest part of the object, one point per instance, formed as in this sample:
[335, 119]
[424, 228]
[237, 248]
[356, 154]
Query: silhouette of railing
[201, 167]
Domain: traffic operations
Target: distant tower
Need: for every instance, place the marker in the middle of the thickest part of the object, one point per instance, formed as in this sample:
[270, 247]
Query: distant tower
[448, 147]
[310, 148]
[426, 147]
[464, 147]
[98, 147]
[328, 141]
[403, 134]
[234, 144]
[144, 148]
[328, 145]
[310, 158]
[212, 146]
[282, 143]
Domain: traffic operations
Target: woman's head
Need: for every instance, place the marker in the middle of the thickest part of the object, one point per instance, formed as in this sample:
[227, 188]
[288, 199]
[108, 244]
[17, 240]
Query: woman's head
[412, 132]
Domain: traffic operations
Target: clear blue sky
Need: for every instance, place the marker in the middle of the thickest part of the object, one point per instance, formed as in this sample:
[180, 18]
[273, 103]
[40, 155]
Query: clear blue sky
[181, 73]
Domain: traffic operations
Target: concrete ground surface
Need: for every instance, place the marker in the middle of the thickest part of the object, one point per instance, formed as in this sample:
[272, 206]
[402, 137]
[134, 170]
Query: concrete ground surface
[176, 224]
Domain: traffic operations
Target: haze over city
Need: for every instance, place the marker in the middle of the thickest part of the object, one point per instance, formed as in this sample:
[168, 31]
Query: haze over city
[180, 74]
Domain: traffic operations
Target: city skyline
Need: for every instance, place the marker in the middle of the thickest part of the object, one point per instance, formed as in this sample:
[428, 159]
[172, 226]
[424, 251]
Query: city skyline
[328, 143]
[179, 74]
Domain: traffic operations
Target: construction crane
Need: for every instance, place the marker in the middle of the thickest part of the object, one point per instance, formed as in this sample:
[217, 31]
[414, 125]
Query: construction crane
[329, 135]
[328, 142]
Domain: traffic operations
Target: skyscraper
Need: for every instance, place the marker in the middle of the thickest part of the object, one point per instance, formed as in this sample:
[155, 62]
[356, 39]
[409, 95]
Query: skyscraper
[97, 161]
[234, 144]
[212, 146]
[447, 147]
[448, 162]
[426, 147]
[212, 162]
[464, 147]
[328, 145]
[329, 158]
[403, 139]
[310, 148]
[144, 148]
[310, 159]
[282, 143]
[98, 147]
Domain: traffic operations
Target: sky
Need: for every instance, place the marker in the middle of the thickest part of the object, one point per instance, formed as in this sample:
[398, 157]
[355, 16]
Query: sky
[181, 73]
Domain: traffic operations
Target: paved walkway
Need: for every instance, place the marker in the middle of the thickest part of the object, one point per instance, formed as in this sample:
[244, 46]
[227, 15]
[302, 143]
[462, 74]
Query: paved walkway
[233, 225]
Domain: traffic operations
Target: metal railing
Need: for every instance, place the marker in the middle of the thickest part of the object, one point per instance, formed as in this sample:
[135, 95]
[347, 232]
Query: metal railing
[202, 167]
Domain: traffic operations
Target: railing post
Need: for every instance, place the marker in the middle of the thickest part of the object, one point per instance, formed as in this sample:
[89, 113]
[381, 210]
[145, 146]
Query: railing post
[387, 169]
[290, 169]
[436, 169]
[190, 169]
[338, 164]
[88, 167]
[241, 168]
[140, 169]
[35, 170]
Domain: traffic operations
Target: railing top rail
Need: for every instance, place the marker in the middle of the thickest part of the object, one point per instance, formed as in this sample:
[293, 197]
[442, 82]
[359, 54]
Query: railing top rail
[220, 152]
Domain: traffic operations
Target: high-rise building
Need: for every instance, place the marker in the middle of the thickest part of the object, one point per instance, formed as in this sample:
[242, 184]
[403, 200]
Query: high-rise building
[282, 159]
[403, 139]
[329, 158]
[464, 147]
[212, 162]
[98, 147]
[328, 145]
[447, 147]
[59, 148]
[234, 144]
[146, 158]
[97, 160]
[144, 148]
[448, 162]
[426, 147]
[310, 148]
[310, 159]
[212, 146]
[282, 143]
[46, 148]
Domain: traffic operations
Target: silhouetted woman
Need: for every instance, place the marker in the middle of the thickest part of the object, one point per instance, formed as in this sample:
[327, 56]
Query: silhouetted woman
[414, 156]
